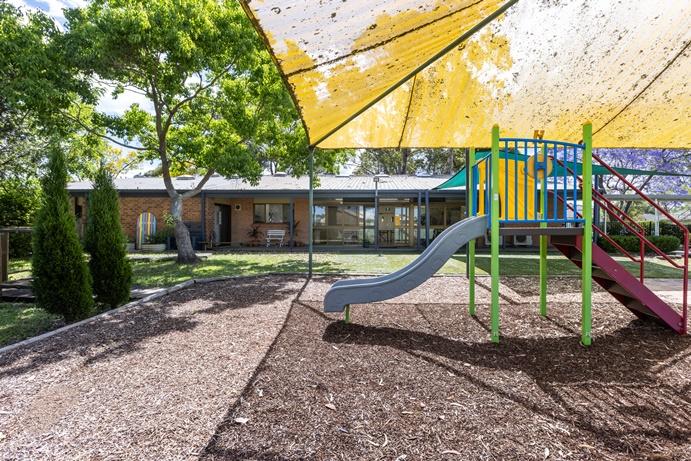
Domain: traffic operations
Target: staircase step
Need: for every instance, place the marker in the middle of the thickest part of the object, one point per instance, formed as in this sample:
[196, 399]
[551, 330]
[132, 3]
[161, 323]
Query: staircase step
[599, 273]
[613, 277]
[17, 295]
[23, 283]
[618, 289]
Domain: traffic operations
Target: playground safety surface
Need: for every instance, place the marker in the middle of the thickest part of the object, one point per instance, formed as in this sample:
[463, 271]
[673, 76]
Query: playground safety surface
[419, 379]
[149, 382]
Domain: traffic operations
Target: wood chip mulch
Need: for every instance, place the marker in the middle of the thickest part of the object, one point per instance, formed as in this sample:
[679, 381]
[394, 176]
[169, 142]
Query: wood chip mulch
[150, 382]
[418, 379]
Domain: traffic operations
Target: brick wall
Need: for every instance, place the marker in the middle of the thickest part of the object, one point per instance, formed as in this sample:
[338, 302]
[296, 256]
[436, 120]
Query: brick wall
[242, 219]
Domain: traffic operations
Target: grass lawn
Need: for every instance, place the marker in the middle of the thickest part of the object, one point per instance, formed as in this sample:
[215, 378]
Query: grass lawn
[21, 321]
[19, 268]
[167, 272]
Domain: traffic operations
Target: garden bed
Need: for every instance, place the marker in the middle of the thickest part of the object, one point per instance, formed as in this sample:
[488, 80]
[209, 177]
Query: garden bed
[418, 379]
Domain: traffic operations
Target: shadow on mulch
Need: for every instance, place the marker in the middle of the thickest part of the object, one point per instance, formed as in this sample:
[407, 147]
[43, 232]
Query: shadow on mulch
[424, 382]
[125, 331]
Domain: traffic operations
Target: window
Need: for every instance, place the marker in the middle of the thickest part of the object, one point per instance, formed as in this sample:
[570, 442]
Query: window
[271, 213]
[436, 215]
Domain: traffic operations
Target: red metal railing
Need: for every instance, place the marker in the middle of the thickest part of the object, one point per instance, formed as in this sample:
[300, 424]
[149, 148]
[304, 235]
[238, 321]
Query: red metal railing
[646, 243]
[637, 230]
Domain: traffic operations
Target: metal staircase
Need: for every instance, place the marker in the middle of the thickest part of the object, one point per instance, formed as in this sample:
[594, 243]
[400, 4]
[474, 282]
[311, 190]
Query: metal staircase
[623, 286]
[614, 277]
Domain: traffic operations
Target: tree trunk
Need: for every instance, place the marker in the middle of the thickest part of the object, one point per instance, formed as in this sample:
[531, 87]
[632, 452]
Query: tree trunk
[405, 156]
[186, 254]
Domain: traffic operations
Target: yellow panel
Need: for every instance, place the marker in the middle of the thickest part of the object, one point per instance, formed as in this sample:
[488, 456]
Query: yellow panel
[518, 192]
[543, 65]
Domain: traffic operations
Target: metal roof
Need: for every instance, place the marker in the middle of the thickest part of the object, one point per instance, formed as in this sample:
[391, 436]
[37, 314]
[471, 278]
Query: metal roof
[275, 184]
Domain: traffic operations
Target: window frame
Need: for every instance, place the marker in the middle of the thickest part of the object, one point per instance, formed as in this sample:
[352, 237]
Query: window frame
[285, 215]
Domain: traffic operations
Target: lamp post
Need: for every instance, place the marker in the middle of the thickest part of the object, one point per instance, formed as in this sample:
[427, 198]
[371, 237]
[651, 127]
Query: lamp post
[376, 211]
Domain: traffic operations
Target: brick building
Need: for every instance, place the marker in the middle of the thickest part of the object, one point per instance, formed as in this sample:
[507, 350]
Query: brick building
[408, 211]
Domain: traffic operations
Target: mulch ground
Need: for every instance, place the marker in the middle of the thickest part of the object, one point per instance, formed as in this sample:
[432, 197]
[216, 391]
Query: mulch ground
[417, 378]
[150, 382]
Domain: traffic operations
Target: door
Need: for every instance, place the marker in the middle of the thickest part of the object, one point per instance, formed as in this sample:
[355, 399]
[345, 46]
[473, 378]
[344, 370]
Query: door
[221, 224]
[386, 226]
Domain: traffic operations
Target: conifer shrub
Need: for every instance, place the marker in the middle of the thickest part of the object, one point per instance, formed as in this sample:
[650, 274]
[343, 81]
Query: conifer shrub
[62, 284]
[105, 241]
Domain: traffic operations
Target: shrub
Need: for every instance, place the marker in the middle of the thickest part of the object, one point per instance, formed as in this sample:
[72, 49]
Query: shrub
[631, 243]
[666, 228]
[19, 200]
[627, 242]
[159, 237]
[62, 283]
[104, 240]
[666, 243]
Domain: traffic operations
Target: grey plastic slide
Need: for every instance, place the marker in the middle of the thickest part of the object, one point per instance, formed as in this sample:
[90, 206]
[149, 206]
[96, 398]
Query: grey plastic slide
[443, 247]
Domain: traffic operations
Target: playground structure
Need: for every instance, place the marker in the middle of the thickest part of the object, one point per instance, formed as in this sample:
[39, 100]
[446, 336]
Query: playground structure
[533, 188]
[421, 74]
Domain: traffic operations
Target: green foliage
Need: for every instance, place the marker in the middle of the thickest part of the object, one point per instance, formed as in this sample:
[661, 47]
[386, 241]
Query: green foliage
[20, 200]
[62, 283]
[104, 240]
[217, 100]
[631, 243]
[666, 243]
[410, 161]
[666, 228]
[160, 236]
[43, 99]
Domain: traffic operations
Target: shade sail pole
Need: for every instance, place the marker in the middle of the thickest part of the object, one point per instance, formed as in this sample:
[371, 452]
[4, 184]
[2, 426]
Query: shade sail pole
[470, 200]
[465, 36]
[310, 205]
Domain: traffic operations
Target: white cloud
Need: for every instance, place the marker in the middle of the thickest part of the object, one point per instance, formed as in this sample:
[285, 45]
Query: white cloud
[53, 8]
[117, 106]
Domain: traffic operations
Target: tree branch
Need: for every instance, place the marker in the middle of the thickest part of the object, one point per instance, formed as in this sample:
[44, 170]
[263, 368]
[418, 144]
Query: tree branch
[198, 187]
[91, 130]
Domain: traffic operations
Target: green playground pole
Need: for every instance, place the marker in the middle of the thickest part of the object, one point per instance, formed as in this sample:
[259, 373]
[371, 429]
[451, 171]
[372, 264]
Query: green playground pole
[543, 240]
[347, 314]
[310, 205]
[587, 244]
[494, 233]
[470, 192]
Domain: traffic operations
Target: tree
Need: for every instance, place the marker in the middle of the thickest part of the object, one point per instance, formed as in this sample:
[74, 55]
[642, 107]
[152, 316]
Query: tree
[104, 240]
[62, 283]
[218, 102]
[40, 91]
[410, 161]
[662, 160]
[19, 200]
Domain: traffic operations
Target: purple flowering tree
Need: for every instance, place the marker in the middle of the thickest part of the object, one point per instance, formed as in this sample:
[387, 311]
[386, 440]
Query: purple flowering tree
[662, 160]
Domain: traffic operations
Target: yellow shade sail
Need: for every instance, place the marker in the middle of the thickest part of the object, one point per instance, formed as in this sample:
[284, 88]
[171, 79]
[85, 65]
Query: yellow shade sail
[539, 65]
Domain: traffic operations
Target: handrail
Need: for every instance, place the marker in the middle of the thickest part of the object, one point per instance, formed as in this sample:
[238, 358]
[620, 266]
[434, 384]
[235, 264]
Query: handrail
[685, 234]
[602, 233]
[642, 194]
[605, 202]
[640, 234]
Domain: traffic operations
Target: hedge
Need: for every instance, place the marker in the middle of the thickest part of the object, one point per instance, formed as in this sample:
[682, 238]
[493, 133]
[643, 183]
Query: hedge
[666, 228]
[666, 243]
